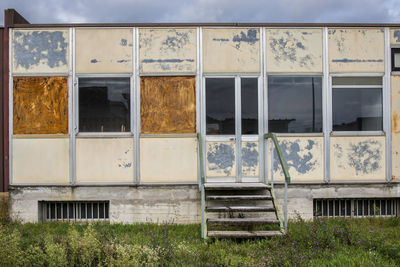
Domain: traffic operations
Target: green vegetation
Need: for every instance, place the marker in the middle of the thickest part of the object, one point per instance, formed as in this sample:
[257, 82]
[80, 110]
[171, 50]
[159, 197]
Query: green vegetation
[322, 242]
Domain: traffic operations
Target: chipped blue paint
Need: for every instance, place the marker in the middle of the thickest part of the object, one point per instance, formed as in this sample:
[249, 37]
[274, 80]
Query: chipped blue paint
[123, 42]
[94, 61]
[396, 34]
[220, 40]
[222, 157]
[31, 48]
[249, 158]
[178, 41]
[174, 60]
[122, 61]
[300, 45]
[347, 60]
[365, 156]
[306, 33]
[125, 165]
[250, 37]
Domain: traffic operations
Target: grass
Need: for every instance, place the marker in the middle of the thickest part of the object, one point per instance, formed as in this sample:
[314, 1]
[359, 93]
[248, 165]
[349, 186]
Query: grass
[322, 242]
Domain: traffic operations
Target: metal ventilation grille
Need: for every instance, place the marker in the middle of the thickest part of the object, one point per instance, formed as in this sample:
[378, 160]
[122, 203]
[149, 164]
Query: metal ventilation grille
[74, 210]
[384, 207]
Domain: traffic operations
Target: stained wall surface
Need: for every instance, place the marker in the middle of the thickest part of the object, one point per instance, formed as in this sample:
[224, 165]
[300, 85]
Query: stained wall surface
[294, 50]
[168, 160]
[395, 36]
[250, 159]
[358, 158]
[40, 105]
[40, 51]
[231, 50]
[104, 160]
[40, 161]
[168, 105]
[220, 159]
[304, 158]
[167, 50]
[104, 50]
[356, 50]
[395, 98]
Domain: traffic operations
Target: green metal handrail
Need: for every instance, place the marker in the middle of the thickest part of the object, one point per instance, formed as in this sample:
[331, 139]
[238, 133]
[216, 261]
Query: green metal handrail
[280, 155]
[201, 186]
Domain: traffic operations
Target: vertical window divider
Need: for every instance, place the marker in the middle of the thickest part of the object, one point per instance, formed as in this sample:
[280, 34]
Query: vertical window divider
[265, 107]
[136, 109]
[260, 97]
[72, 111]
[238, 122]
[10, 107]
[326, 105]
[387, 111]
[199, 101]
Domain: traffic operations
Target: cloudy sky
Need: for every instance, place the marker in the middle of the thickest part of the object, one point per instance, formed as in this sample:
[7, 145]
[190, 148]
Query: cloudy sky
[81, 11]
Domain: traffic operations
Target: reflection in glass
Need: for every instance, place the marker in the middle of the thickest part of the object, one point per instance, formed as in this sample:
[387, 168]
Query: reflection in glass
[220, 106]
[249, 98]
[104, 104]
[294, 104]
[357, 109]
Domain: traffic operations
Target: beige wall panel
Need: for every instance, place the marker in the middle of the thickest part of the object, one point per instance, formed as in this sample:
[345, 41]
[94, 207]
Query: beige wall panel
[294, 50]
[357, 158]
[304, 157]
[395, 36]
[395, 97]
[40, 51]
[356, 50]
[231, 50]
[168, 160]
[220, 159]
[39, 161]
[250, 159]
[104, 50]
[167, 50]
[104, 160]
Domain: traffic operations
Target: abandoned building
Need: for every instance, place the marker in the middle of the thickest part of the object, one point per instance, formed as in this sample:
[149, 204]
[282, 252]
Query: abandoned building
[133, 122]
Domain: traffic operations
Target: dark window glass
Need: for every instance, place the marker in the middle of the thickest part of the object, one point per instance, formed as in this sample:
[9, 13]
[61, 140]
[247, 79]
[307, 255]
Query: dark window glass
[249, 98]
[104, 105]
[357, 109]
[295, 104]
[220, 105]
[395, 59]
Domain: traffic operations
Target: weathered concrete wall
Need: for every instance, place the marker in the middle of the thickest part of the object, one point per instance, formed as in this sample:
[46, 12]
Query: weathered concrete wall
[395, 97]
[294, 50]
[168, 160]
[40, 160]
[356, 50]
[104, 160]
[395, 36]
[167, 50]
[104, 50]
[220, 159]
[250, 159]
[40, 51]
[358, 158]
[231, 50]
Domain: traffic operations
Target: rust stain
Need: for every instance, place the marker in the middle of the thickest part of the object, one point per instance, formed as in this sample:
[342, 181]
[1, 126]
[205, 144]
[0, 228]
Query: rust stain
[40, 105]
[168, 105]
[395, 119]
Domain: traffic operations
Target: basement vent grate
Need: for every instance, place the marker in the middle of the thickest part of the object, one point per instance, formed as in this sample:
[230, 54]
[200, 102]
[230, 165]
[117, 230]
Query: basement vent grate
[74, 210]
[382, 207]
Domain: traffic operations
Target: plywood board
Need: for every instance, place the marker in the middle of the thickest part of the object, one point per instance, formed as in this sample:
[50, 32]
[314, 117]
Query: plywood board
[250, 159]
[395, 36]
[167, 50]
[40, 161]
[304, 157]
[231, 50]
[104, 160]
[168, 160]
[395, 98]
[104, 50]
[40, 51]
[40, 105]
[168, 105]
[294, 50]
[358, 158]
[220, 159]
[356, 50]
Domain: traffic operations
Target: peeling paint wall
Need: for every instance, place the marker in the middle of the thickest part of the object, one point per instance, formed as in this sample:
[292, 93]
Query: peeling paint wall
[168, 160]
[39, 161]
[104, 50]
[220, 159]
[231, 50]
[250, 159]
[294, 50]
[40, 51]
[395, 36]
[356, 50]
[167, 50]
[395, 97]
[304, 157]
[104, 160]
[358, 158]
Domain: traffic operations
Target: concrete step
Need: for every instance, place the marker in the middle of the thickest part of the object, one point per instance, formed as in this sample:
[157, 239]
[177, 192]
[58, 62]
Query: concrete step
[235, 186]
[240, 208]
[239, 234]
[240, 197]
[244, 220]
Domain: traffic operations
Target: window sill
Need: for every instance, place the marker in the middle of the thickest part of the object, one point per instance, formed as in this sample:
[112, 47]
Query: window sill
[358, 133]
[299, 134]
[104, 135]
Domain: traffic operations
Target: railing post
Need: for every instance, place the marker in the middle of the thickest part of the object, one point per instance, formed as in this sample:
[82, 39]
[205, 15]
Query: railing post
[285, 207]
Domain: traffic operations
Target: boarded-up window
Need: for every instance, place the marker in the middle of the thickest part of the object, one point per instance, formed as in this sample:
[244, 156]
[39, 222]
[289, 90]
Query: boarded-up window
[40, 105]
[168, 105]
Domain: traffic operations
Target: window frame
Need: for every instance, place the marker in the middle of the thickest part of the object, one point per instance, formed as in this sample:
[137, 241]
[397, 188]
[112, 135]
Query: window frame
[393, 51]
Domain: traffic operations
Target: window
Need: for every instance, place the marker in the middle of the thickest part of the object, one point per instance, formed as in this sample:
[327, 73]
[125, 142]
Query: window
[294, 104]
[395, 59]
[74, 210]
[357, 103]
[104, 105]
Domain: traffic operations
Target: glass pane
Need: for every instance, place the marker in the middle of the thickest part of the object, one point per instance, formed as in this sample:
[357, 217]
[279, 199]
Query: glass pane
[295, 104]
[356, 81]
[104, 104]
[220, 105]
[357, 109]
[249, 95]
[397, 60]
